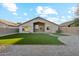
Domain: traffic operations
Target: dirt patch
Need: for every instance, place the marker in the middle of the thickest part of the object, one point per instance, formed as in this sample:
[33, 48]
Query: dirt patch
[4, 48]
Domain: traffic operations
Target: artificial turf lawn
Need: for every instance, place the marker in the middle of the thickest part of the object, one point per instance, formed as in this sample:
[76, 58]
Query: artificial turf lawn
[30, 38]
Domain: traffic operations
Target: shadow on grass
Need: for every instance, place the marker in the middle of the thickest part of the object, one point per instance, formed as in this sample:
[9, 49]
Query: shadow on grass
[12, 36]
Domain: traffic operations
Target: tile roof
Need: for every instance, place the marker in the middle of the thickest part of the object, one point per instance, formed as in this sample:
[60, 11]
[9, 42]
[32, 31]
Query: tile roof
[66, 23]
[8, 23]
[37, 18]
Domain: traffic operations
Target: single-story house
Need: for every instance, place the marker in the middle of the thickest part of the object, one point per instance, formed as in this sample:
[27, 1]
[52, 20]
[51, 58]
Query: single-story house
[38, 24]
[7, 27]
[69, 27]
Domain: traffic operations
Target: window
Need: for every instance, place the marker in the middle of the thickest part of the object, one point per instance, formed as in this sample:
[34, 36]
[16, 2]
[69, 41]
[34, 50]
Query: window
[48, 28]
[69, 25]
[26, 28]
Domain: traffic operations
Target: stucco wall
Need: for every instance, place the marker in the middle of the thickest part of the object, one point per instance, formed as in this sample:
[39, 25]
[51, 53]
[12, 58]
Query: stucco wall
[53, 27]
[5, 29]
[2, 25]
[70, 30]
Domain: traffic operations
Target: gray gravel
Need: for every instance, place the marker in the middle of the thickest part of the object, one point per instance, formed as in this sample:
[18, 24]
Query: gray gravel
[70, 49]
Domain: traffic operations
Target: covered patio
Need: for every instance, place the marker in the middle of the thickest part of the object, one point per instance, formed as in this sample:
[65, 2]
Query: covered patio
[38, 27]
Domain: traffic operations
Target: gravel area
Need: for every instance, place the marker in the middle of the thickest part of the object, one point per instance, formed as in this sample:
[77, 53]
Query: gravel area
[71, 48]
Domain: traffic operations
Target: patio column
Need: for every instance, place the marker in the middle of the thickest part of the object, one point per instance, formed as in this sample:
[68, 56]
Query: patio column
[20, 29]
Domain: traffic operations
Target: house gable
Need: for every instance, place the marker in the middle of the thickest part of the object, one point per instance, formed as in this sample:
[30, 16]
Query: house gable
[40, 18]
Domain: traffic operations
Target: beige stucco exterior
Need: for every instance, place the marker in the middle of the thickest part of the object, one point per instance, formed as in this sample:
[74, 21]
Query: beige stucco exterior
[6, 29]
[2, 25]
[52, 26]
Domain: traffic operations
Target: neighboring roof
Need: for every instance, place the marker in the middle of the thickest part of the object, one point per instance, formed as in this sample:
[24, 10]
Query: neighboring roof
[8, 23]
[39, 18]
[66, 23]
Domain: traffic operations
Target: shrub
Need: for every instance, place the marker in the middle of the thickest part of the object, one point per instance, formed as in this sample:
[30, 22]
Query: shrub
[17, 30]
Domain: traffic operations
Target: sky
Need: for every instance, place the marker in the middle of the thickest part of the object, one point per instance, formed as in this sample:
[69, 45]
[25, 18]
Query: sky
[22, 12]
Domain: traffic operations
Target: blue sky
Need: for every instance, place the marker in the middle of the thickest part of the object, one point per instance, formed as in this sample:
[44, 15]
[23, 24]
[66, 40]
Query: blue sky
[21, 12]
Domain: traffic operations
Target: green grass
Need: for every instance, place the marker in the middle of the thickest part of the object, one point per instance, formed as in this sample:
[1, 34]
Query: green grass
[30, 38]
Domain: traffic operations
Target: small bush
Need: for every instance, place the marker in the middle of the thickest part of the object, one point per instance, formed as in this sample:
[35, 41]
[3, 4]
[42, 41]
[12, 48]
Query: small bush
[17, 30]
